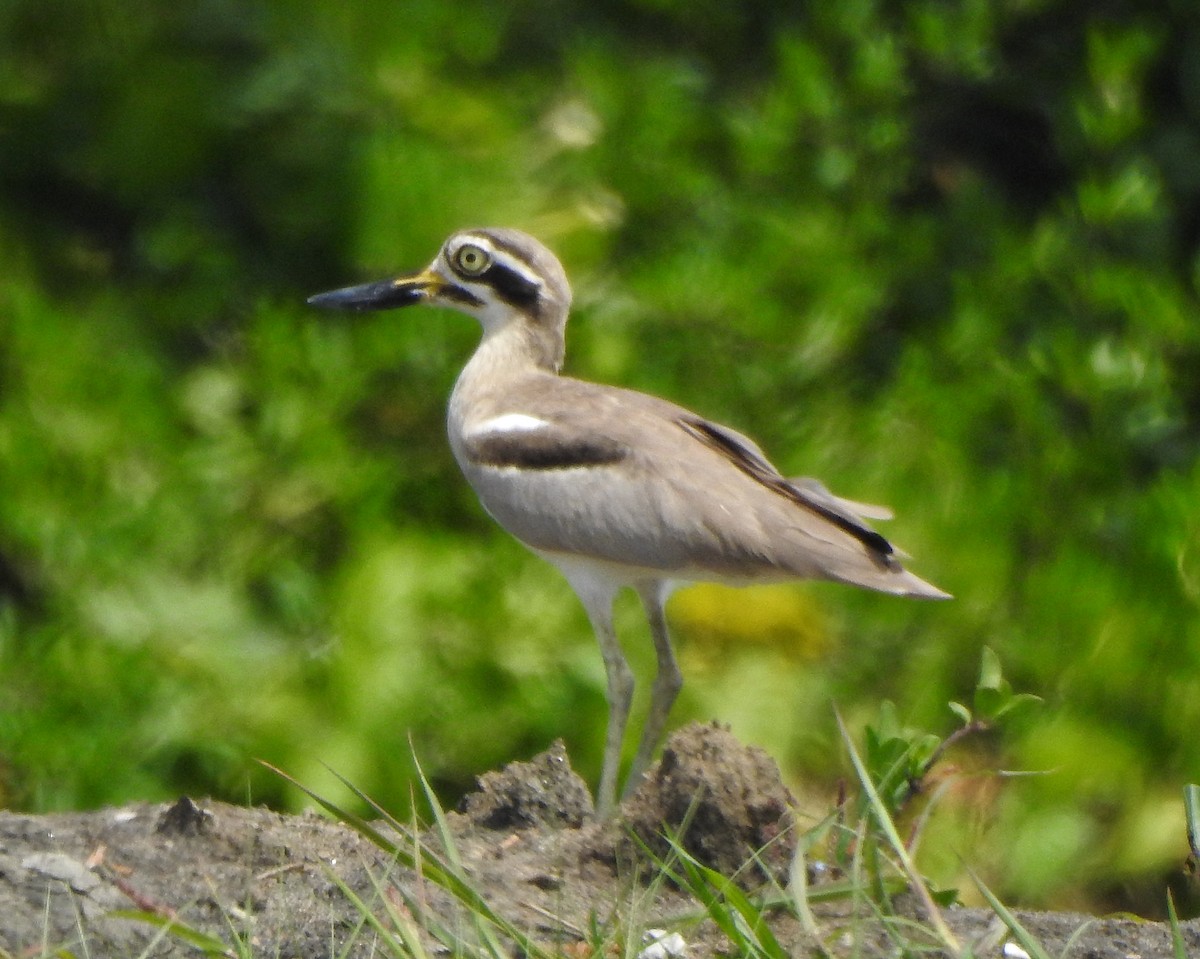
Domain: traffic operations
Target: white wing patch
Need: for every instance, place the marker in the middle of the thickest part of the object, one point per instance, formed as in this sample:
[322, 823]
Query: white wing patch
[507, 423]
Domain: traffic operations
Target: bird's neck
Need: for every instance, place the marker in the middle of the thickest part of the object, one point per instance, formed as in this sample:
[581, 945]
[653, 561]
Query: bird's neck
[505, 355]
[515, 349]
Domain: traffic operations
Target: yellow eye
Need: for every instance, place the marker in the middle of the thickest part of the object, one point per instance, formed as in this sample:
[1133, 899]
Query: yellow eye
[471, 259]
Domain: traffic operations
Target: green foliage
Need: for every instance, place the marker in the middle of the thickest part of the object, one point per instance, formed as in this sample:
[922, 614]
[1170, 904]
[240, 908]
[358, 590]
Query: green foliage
[994, 696]
[940, 255]
[898, 760]
[899, 765]
[896, 757]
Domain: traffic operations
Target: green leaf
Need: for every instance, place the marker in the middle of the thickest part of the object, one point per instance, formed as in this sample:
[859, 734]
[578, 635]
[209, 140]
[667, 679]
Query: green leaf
[990, 674]
[1016, 703]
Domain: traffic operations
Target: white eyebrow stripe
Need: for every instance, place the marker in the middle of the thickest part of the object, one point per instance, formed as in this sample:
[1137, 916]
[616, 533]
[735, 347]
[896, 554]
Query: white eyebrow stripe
[519, 267]
[508, 423]
[503, 256]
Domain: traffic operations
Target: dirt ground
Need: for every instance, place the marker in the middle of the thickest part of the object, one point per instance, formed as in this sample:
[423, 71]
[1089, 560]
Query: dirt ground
[100, 883]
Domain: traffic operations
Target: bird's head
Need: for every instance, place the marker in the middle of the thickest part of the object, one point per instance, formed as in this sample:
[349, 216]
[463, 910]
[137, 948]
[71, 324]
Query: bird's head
[498, 276]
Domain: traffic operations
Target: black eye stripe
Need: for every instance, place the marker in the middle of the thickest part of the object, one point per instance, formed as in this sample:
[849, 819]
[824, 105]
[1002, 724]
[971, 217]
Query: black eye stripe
[512, 286]
[465, 297]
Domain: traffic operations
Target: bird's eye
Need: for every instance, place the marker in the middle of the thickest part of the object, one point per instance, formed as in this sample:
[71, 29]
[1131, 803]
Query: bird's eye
[471, 259]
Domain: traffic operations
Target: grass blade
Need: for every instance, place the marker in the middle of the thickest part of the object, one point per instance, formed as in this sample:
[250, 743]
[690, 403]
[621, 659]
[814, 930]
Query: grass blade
[1178, 946]
[801, 896]
[485, 930]
[201, 941]
[741, 920]
[1020, 933]
[398, 947]
[428, 864]
[934, 914]
[439, 816]
[1191, 809]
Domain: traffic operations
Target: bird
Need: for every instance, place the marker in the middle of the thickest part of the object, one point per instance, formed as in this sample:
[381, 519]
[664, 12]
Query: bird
[614, 487]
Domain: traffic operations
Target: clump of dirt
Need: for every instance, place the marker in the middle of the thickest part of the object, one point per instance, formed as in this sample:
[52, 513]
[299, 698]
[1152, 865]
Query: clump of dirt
[544, 792]
[103, 883]
[725, 801]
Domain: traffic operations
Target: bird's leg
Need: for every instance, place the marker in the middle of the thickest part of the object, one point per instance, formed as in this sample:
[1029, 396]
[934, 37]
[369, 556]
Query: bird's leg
[620, 694]
[667, 682]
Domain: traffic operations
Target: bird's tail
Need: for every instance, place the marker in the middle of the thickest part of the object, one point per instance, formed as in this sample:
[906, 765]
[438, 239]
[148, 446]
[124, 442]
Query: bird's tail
[893, 579]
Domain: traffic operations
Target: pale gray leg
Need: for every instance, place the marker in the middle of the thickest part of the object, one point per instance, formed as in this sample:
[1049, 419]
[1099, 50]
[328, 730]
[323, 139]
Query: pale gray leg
[667, 682]
[598, 603]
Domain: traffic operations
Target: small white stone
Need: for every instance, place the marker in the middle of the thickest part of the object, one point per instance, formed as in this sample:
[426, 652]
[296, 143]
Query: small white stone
[1013, 951]
[660, 945]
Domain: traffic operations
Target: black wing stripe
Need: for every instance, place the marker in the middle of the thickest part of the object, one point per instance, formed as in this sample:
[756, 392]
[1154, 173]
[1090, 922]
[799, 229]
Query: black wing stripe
[539, 450]
[754, 466]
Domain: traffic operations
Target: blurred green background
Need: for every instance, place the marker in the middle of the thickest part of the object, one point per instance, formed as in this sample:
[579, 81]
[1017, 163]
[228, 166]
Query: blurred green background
[942, 255]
